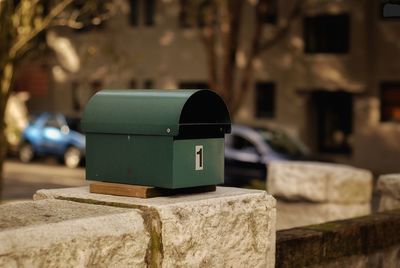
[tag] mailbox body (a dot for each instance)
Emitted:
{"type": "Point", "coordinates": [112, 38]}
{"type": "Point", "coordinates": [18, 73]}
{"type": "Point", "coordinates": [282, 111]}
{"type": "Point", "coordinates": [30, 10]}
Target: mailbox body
{"type": "Point", "coordinates": [182, 151]}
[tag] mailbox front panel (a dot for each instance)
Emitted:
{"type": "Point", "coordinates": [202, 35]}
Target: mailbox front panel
{"type": "Point", "coordinates": [198, 162]}
{"type": "Point", "coordinates": [130, 159]}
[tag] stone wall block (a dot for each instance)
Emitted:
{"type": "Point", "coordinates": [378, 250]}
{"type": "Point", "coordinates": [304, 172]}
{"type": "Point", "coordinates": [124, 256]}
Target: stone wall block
{"type": "Point", "coordinates": [55, 233]}
{"type": "Point", "coordinates": [231, 227]}
{"type": "Point", "coordinates": [319, 182]}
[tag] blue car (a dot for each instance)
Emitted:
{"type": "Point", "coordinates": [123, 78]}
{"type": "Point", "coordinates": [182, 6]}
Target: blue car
{"type": "Point", "coordinates": [53, 135]}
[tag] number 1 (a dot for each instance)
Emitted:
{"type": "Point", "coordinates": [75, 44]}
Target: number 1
{"type": "Point", "coordinates": [199, 157]}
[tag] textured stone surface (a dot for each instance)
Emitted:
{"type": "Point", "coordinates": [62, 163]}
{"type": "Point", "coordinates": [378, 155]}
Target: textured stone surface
{"type": "Point", "coordinates": [387, 202]}
{"type": "Point", "coordinates": [54, 233]}
{"type": "Point", "coordinates": [295, 214]}
{"type": "Point", "coordinates": [370, 241]}
{"type": "Point", "coordinates": [228, 228]}
{"type": "Point", "coordinates": [319, 182]}
{"type": "Point", "coordinates": [389, 185]}
{"type": "Point", "coordinates": [387, 258]}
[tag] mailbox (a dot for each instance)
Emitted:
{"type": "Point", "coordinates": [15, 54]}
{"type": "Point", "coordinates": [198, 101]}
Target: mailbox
{"type": "Point", "coordinates": [161, 138]}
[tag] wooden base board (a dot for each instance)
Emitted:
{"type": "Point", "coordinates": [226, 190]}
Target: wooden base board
{"type": "Point", "coordinates": [143, 191]}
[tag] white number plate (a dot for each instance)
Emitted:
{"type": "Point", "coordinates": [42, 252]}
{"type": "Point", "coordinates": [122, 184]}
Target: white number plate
{"type": "Point", "coordinates": [199, 157]}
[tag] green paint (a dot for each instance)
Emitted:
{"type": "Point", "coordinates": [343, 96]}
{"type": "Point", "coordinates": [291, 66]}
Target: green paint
{"type": "Point", "coordinates": [145, 112]}
{"type": "Point", "coordinates": [150, 137]}
{"type": "Point", "coordinates": [185, 173]}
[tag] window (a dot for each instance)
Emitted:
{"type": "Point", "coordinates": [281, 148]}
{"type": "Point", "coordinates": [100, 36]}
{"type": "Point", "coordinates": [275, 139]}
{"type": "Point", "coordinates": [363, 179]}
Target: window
{"type": "Point", "coordinates": [133, 15]}
{"type": "Point", "coordinates": [327, 34]}
{"type": "Point", "coordinates": [132, 84]}
{"type": "Point", "coordinates": [270, 15]}
{"type": "Point", "coordinates": [390, 101]}
{"type": "Point", "coordinates": [242, 144]}
{"type": "Point", "coordinates": [52, 122]}
{"type": "Point", "coordinates": [200, 14]}
{"type": "Point", "coordinates": [333, 114]}
{"type": "Point", "coordinates": [206, 14]}
{"type": "Point", "coordinates": [265, 100]}
{"type": "Point", "coordinates": [193, 85]}
{"type": "Point", "coordinates": [148, 84]}
{"type": "Point", "coordinates": [184, 16]}
{"type": "Point", "coordinates": [149, 11]}
{"type": "Point", "coordinates": [145, 7]}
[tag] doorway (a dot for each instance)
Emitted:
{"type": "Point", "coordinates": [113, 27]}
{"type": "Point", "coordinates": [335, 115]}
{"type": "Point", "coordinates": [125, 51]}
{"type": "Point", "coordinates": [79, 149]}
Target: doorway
{"type": "Point", "coordinates": [333, 121]}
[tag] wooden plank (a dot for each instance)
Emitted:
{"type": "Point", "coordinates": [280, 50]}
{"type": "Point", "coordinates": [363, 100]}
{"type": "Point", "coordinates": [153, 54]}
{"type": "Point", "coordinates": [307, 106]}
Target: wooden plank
{"type": "Point", "coordinates": [143, 191]}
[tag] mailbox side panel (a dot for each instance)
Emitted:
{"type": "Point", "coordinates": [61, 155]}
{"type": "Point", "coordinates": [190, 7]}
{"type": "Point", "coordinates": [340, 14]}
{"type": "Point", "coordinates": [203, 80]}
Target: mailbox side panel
{"type": "Point", "coordinates": [130, 159]}
{"type": "Point", "coordinates": [106, 157]}
{"type": "Point", "coordinates": [198, 162]}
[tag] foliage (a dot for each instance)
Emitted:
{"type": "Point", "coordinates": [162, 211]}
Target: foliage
{"type": "Point", "coordinates": [22, 21]}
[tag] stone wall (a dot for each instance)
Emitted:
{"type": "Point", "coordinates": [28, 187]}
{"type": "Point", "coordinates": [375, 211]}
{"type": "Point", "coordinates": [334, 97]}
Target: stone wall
{"type": "Point", "coordinates": [370, 241]}
{"type": "Point", "coordinates": [74, 228]}
{"type": "Point", "coordinates": [389, 187]}
{"type": "Point", "coordinates": [312, 193]}
{"type": "Point", "coordinates": [56, 233]}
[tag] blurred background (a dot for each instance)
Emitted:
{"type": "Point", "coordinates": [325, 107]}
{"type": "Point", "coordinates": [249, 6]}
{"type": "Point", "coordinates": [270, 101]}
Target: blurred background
{"type": "Point", "coordinates": [304, 80]}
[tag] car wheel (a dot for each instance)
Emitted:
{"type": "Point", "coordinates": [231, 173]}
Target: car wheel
{"type": "Point", "coordinates": [72, 157]}
{"type": "Point", "coordinates": [26, 153]}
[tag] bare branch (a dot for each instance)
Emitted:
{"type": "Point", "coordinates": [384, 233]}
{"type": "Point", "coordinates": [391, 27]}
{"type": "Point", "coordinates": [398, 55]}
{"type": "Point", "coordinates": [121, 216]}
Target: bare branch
{"type": "Point", "coordinates": [283, 30]}
{"type": "Point", "coordinates": [21, 42]}
{"type": "Point", "coordinates": [70, 21]}
{"type": "Point", "coordinates": [231, 47]}
{"type": "Point", "coordinates": [208, 37]}
{"type": "Point", "coordinates": [209, 40]}
{"type": "Point", "coordinates": [89, 9]}
{"type": "Point", "coordinates": [260, 10]}
{"type": "Point", "coordinates": [257, 47]}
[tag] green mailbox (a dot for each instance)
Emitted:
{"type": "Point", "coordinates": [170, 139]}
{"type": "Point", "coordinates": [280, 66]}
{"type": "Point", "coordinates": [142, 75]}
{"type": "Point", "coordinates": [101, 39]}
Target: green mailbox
{"type": "Point", "coordinates": [161, 138]}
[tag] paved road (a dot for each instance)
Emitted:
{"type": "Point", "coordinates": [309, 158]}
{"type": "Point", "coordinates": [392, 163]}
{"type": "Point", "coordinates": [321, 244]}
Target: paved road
{"type": "Point", "coordinates": [21, 181]}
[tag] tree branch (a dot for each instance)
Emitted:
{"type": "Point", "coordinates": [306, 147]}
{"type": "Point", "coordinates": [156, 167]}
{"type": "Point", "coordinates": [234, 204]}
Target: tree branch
{"type": "Point", "coordinates": [209, 41]}
{"type": "Point", "coordinates": [208, 37]}
{"type": "Point", "coordinates": [260, 9]}
{"type": "Point", "coordinates": [297, 11]}
{"type": "Point", "coordinates": [21, 42]}
{"type": "Point", "coordinates": [70, 22]}
{"type": "Point", "coordinates": [257, 47]}
{"type": "Point", "coordinates": [231, 47]}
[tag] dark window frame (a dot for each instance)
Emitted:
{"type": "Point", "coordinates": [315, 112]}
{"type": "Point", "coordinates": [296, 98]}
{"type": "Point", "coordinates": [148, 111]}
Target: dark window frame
{"type": "Point", "coordinates": [149, 8]}
{"type": "Point", "coordinates": [184, 16]}
{"type": "Point", "coordinates": [386, 104]}
{"type": "Point", "coordinates": [330, 116]}
{"type": "Point", "coordinates": [134, 13]}
{"type": "Point", "coordinates": [187, 9]}
{"type": "Point", "coordinates": [327, 33]}
{"type": "Point", "coordinates": [142, 13]}
{"type": "Point", "coordinates": [148, 84]}
{"type": "Point", "coordinates": [260, 111]}
{"type": "Point", "coordinates": [271, 14]}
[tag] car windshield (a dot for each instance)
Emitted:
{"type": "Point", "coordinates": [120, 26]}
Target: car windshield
{"type": "Point", "coordinates": [74, 123]}
{"type": "Point", "coordinates": [282, 143]}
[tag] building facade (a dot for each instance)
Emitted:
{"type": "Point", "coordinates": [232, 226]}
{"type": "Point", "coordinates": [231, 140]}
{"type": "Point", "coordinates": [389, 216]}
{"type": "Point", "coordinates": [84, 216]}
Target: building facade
{"type": "Point", "coordinates": [333, 81]}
